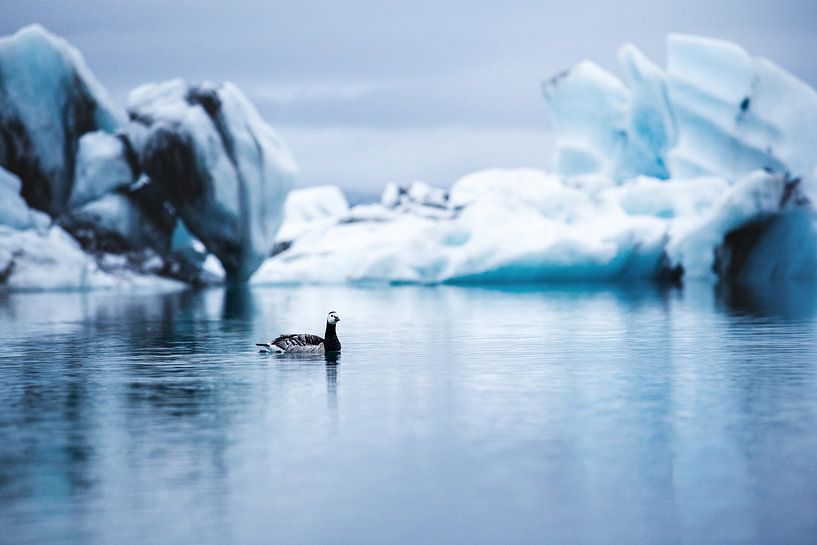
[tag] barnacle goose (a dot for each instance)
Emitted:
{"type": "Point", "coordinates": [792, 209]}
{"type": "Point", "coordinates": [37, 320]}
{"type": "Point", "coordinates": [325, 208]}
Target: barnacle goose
{"type": "Point", "coordinates": [304, 343]}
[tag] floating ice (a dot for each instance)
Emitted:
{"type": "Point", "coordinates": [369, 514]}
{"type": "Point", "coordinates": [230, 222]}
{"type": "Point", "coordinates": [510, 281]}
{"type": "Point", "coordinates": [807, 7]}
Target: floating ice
{"type": "Point", "coordinates": [54, 260]}
{"type": "Point", "coordinates": [527, 225]}
{"type": "Point", "coordinates": [48, 99]}
{"type": "Point", "coordinates": [223, 168]}
{"type": "Point", "coordinates": [643, 187]}
{"type": "Point", "coordinates": [564, 238]}
{"type": "Point", "coordinates": [305, 208]}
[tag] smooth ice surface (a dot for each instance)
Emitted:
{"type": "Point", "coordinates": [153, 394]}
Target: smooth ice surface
{"type": "Point", "coordinates": [454, 415]}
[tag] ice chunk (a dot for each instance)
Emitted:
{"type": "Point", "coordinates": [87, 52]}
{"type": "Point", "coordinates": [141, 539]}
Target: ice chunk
{"type": "Point", "coordinates": [513, 225]}
{"type": "Point", "coordinates": [589, 110]}
{"type": "Point", "coordinates": [737, 113]}
{"type": "Point", "coordinates": [104, 162]}
{"type": "Point", "coordinates": [13, 210]}
{"type": "Point", "coordinates": [716, 111]}
{"type": "Point", "coordinates": [418, 198]}
{"type": "Point", "coordinates": [652, 127]}
{"type": "Point", "coordinates": [54, 260]}
{"type": "Point", "coordinates": [391, 195]}
{"type": "Point", "coordinates": [602, 127]}
{"type": "Point", "coordinates": [736, 238]}
{"type": "Point", "coordinates": [48, 99]}
{"type": "Point", "coordinates": [116, 223]}
{"type": "Point", "coordinates": [223, 168]}
{"type": "Point", "coordinates": [305, 208]}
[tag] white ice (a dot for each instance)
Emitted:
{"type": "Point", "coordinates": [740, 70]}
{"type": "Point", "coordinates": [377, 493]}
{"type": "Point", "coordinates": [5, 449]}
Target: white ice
{"type": "Point", "coordinates": [14, 212]}
{"type": "Point", "coordinates": [52, 259]}
{"type": "Point", "coordinates": [101, 167]}
{"type": "Point", "coordinates": [700, 169]}
{"type": "Point", "coordinates": [306, 208]}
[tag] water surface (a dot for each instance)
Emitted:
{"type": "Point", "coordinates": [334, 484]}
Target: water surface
{"type": "Point", "coordinates": [454, 415]}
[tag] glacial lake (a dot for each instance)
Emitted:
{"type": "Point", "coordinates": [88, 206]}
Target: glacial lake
{"type": "Point", "coordinates": [469, 415]}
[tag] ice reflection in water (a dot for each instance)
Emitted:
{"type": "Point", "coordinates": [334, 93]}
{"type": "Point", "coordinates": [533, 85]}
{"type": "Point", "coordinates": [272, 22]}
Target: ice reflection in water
{"type": "Point", "coordinates": [466, 415]}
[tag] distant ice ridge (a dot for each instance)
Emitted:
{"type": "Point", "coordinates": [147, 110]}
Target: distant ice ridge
{"type": "Point", "coordinates": [703, 170]}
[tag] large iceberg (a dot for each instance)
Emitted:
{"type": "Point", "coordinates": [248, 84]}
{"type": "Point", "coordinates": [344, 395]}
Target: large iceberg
{"type": "Point", "coordinates": [225, 171]}
{"type": "Point", "coordinates": [703, 170]}
{"type": "Point", "coordinates": [194, 173]}
{"type": "Point", "coordinates": [48, 100]}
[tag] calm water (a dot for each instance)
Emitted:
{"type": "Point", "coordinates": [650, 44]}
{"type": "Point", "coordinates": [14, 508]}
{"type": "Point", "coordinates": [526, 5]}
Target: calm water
{"type": "Point", "coordinates": [455, 415]}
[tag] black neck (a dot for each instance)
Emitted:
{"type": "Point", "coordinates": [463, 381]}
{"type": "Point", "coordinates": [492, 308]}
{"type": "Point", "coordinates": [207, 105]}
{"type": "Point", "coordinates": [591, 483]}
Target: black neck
{"type": "Point", "coordinates": [330, 338]}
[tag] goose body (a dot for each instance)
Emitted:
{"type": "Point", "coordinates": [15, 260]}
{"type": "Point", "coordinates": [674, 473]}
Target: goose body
{"type": "Point", "coordinates": [304, 343]}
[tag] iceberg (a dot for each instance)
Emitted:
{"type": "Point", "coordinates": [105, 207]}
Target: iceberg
{"type": "Point", "coordinates": [224, 170]}
{"type": "Point", "coordinates": [702, 170]}
{"type": "Point", "coordinates": [121, 183]}
{"type": "Point", "coordinates": [523, 225]}
{"type": "Point", "coordinates": [48, 100]}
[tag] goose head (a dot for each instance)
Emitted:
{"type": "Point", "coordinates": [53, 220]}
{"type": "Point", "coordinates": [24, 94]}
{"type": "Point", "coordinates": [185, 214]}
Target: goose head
{"type": "Point", "coordinates": [332, 318]}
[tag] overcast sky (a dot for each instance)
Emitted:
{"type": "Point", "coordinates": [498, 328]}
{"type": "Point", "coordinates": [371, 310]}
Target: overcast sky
{"type": "Point", "coordinates": [367, 92]}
